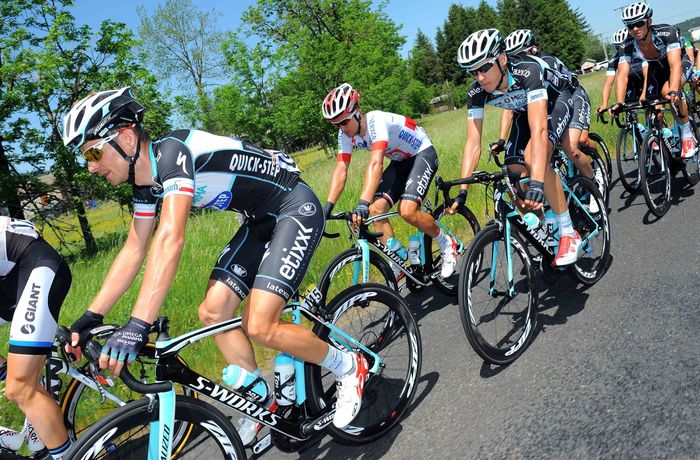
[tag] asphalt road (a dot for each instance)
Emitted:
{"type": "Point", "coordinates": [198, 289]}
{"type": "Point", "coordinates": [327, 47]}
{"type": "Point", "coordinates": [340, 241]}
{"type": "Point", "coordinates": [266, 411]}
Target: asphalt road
{"type": "Point", "coordinates": [612, 373]}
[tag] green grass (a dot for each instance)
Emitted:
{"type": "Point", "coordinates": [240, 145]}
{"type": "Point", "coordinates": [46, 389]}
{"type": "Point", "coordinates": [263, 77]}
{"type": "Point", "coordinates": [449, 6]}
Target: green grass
{"type": "Point", "coordinates": [209, 232]}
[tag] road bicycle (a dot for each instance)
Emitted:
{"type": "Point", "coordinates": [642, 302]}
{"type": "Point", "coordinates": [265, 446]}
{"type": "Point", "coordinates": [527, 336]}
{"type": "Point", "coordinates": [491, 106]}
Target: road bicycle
{"type": "Point", "coordinates": [382, 329]}
{"type": "Point", "coordinates": [497, 285]}
{"type": "Point", "coordinates": [370, 260]}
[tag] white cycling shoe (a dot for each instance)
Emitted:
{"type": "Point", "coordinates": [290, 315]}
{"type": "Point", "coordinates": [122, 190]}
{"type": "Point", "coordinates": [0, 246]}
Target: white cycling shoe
{"type": "Point", "coordinates": [350, 389]}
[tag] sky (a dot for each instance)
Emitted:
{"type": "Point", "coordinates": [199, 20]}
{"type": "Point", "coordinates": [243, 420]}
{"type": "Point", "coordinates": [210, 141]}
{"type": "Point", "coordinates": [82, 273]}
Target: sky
{"type": "Point", "coordinates": [426, 15]}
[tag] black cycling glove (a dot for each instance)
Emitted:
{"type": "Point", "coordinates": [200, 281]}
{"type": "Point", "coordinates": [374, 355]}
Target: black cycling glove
{"type": "Point", "coordinates": [125, 344]}
{"type": "Point", "coordinates": [83, 325]}
{"type": "Point", "coordinates": [3, 371]}
{"type": "Point", "coordinates": [498, 146]}
{"type": "Point", "coordinates": [328, 209]}
{"type": "Point", "coordinates": [535, 191]}
{"type": "Point", "coordinates": [461, 197]}
{"type": "Point", "coordinates": [362, 209]}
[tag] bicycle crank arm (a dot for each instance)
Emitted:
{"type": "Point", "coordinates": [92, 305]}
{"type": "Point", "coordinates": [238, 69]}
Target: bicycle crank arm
{"type": "Point", "coordinates": [262, 445]}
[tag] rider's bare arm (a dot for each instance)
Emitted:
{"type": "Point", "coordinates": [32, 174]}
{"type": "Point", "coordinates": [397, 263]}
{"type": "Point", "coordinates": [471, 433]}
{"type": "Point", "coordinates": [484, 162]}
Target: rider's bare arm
{"type": "Point", "coordinates": [125, 267]}
{"type": "Point", "coordinates": [163, 257]}
{"type": "Point", "coordinates": [338, 179]}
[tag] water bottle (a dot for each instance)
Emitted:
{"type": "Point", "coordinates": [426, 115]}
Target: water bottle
{"type": "Point", "coordinates": [285, 391]}
{"type": "Point", "coordinates": [236, 377]}
{"type": "Point", "coordinates": [396, 246]}
{"type": "Point", "coordinates": [552, 226]}
{"type": "Point", "coordinates": [531, 220]}
{"type": "Point", "coordinates": [642, 129]}
{"type": "Point", "coordinates": [414, 249]}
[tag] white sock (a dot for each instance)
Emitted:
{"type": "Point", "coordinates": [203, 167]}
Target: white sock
{"type": "Point", "coordinates": [566, 227]}
{"type": "Point", "coordinates": [337, 361]}
{"type": "Point", "coordinates": [443, 241]}
{"type": "Point", "coordinates": [685, 130]}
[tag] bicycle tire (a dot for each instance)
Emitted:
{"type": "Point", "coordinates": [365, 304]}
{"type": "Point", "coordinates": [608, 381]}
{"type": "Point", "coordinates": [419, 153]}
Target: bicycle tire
{"type": "Point", "coordinates": [74, 395]}
{"type": "Point", "coordinates": [606, 153]}
{"type": "Point", "coordinates": [382, 275]}
{"type": "Point", "coordinates": [464, 230]}
{"type": "Point", "coordinates": [597, 162]}
{"type": "Point", "coordinates": [103, 434]}
{"type": "Point", "coordinates": [478, 266]}
{"type": "Point", "coordinates": [628, 162]}
{"type": "Point", "coordinates": [588, 270]}
{"type": "Point", "coordinates": [655, 174]}
{"type": "Point", "coordinates": [691, 166]}
{"type": "Point", "coordinates": [403, 339]}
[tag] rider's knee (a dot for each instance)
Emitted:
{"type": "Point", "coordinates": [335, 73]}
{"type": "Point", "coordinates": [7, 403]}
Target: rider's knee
{"type": "Point", "coordinates": [379, 206]}
{"type": "Point", "coordinates": [210, 313]}
{"type": "Point", "coordinates": [261, 332]}
{"type": "Point", "coordinates": [21, 390]}
{"type": "Point", "coordinates": [409, 211]}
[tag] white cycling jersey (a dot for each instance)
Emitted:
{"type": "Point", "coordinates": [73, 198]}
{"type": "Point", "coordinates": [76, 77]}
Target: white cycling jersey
{"type": "Point", "coordinates": [398, 136]}
{"type": "Point", "coordinates": [15, 236]}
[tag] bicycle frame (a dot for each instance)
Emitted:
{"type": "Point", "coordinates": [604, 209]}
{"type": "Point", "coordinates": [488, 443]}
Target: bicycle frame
{"type": "Point", "coordinates": [169, 368]}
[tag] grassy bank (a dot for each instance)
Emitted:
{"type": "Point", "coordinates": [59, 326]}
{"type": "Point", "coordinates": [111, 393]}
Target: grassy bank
{"type": "Point", "coordinates": [208, 233]}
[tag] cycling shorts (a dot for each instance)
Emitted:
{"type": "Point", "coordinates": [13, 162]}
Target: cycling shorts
{"type": "Point", "coordinates": [634, 89]}
{"type": "Point", "coordinates": [273, 252]}
{"type": "Point", "coordinates": [31, 296]}
{"type": "Point", "coordinates": [557, 122]}
{"type": "Point", "coordinates": [581, 118]}
{"type": "Point", "coordinates": [409, 179]}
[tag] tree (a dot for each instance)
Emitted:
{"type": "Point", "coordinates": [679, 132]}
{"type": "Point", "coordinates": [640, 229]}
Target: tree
{"type": "Point", "coordinates": [184, 43]}
{"type": "Point", "coordinates": [454, 31]}
{"type": "Point", "coordinates": [423, 61]}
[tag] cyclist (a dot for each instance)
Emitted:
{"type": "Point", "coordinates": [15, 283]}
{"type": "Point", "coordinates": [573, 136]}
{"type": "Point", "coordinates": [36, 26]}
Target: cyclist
{"type": "Point", "coordinates": [414, 163]}
{"type": "Point", "coordinates": [265, 260]}
{"type": "Point", "coordinates": [637, 77]}
{"type": "Point", "coordinates": [660, 46]}
{"type": "Point", "coordinates": [523, 41]}
{"type": "Point", "coordinates": [540, 98]}
{"type": "Point", "coordinates": [34, 281]}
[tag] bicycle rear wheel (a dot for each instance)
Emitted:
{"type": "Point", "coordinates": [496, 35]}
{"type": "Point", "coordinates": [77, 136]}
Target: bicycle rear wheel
{"type": "Point", "coordinates": [499, 322]}
{"type": "Point", "coordinates": [594, 229]}
{"type": "Point", "coordinates": [379, 319]}
{"type": "Point", "coordinates": [655, 174]}
{"type": "Point", "coordinates": [462, 226]}
{"type": "Point", "coordinates": [124, 433]}
{"type": "Point", "coordinates": [628, 159]}
{"type": "Point", "coordinates": [605, 155]}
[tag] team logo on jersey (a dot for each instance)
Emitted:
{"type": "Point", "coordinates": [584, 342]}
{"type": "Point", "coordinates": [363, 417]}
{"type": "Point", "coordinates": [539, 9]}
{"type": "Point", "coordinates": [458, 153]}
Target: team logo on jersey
{"type": "Point", "coordinates": [295, 255]}
{"type": "Point", "coordinates": [181, 161]}
{"type": "Point", "coordinates": [27, 329]}
{"type": "Point", "coordinates": [30, 314]}
{"type": "Point", "coordinates": [221, 202]}
{"type": "Point", "coordinates": [522, 72]}
{"type": "Point", "coordinates": [239, 271]}
{"type": "Point", "coordinates": [307, 209]}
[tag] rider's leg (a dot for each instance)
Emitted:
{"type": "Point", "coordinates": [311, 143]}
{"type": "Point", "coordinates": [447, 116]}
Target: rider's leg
{"type": "Point", "coordinates": [688, 141]}
{"type": "Point", "coordinates": [24, 389]}
{"type": "Point", "coordinates": [411, 213]}
{"type": "Point", "coordinates": [570, 144]}
{"type": "Point", "coordinates": [379, 206]}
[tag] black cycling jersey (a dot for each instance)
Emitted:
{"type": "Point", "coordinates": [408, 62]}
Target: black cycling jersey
{"type": "Point", "coordinates": [663, 36]}
{"type": "Point", "coordinates": [273, 248]}
{"type": "Point", "coordinates": [636, 65]}
{"type": "Point", "coordinates": [560, 67]}
{"type": "Point", "coordinates": [529, 79]}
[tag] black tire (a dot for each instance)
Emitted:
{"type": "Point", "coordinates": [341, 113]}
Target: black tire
{"type": "Point", "coordinates": [655, 174]}
{"type": "Point", "coordinates": [363, 312]}
{"type": "Point", "coordinates": [603, 147]}
{"type": "Point", "coordinates": [628, 150]}
{"type": "Point", "coordinates": [691, 166]}
{"type": "Point", "coordinates": [81, 407]}
{"type": "Point", "coordinates": [594, 259]}
{"type": "Point", "coordinates": [602, 182]}
{"type": "Point", "coordinates": [103, 439]}
{"type": "Point", "coordinates": [335, 279]}
{"type": "Point", "coordinates": [464, 226]}
{"type": "Point", "coordinates": [484, 315]}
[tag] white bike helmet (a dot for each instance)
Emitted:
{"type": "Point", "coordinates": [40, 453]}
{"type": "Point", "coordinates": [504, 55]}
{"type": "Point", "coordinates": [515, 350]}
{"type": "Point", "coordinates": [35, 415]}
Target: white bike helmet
{"type": "Point", "coordinates": [519, 41]}
{"type": "Point", "coordinates": [479, 47]}
{"type": "Point", "coordinates": [636, 12]}
{"type": "Point", "coordinates": [340, 104]}
{"type": "Point", "coordinates": [94, 116]}
{"type": "Point", "coordinates": [620, 36]}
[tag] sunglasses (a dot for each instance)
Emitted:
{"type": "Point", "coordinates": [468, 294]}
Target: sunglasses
{"type": "Point", "coordinates": [344, 122]}
{"type": "Point", "coordinates": [483, 69]}
{"type": "Point", "coordinates": [637, 25]}
{"type": "Point", "coordinates": [93, 154]}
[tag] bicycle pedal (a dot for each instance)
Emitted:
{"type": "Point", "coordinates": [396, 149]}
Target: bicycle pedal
{"type": "Point", "coordinates": [262, 445]}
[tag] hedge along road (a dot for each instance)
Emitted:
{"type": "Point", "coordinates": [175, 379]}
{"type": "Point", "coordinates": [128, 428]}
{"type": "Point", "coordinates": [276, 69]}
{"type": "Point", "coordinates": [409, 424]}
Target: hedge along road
{"type": "Point", "coordinates": [612, 373]}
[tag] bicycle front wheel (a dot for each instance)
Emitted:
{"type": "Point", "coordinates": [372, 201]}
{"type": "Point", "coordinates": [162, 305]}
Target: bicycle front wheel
{"type": "Point", "coordinates": [378, 318]}
{"type": "Point", "coordinates": [124, 434]}
{"type": "Point", "coordinates": [655, 174]}
{"type": "Point", "coordinates": [628, 159]}
{"type": "Point", "coordinates": [462, 226]}
{"type": "Point", "coordinates": [497, 299]}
